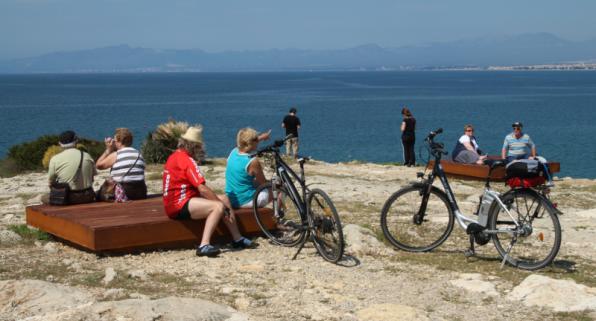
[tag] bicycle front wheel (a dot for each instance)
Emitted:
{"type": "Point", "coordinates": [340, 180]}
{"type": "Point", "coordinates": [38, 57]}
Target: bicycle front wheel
{"type": "Point", "coordinates": [286, 226]}
{"type": "Point", "coordinates": [414, 223]}
{"type": "Point", "coordinates": [530, 235]}
{"type": "Point", "coordinates": [327, 234]}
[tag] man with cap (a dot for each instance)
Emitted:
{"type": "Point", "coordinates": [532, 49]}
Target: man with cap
{"type": "Point", "coordinates": [291, 123]}
{"type": "Point", "coordinates": [518, 145]}
{"type": "Point", "coordinates": [74, 167]}
{"type": "Point", "coordinates": [186, 196]}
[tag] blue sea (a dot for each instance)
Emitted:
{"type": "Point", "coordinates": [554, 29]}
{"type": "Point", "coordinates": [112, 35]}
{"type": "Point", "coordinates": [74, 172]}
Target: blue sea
{"type": "Point", "coordinates": [345, 115]}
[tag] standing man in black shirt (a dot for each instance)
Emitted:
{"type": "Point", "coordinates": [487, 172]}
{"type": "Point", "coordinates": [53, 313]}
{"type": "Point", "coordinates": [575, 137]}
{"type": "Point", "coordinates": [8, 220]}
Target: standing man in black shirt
{"type": "Point", "coordinates": [291, 123]}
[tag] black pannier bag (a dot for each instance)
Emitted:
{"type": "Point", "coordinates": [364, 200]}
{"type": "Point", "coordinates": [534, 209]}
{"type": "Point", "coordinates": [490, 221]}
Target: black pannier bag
{"type": "Point", "coordinates": [524, 168]}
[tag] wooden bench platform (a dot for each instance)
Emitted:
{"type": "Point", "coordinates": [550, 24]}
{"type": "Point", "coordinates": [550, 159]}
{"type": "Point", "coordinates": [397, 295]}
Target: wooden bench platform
{"type": "Point", "coordinates": [130, 226]}
{"type": "Point", "coordinates": [479, 172]}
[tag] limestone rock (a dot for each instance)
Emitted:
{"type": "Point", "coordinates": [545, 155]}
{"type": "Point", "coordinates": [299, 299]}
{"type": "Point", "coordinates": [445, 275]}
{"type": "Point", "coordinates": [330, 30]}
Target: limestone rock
{"type": "Point", "coordinates": [36, 200]}
{"type": "Point", "coordinates": [138, 274]}
{"type": "Point", "coordinates": [50, 247]}
{"type": "Point", "coordinates": [38, 300]}
{"type": "Point", "coordinates": [113, 294]}
{"type": "Point", "coordinates": [559, 295]}
{"type": "Point", "coordinates": [8, 237]}
{"type": "Point", "coordinates": [109, 276]}
{"type": "Point", "coordinates": [391, 312]}
{"type": "Point", "coordinates": [475, 282]}
{"type": "Point", "coordinates": [360, 240]}
{"type": "Point", "coordinates": [32, 297]}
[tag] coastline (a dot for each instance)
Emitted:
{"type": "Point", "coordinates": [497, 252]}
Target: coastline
{"type": "Point", "coordinates": [264, 284]}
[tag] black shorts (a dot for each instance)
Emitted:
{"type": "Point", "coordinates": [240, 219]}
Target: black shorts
{"type": "Point", "coordinates": [184, 213]}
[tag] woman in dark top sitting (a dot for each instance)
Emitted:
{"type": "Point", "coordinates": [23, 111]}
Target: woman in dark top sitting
{"type": "Point", "coordinates": [408, 138]}
{"type": "Point", "coordinates": [466, 150]}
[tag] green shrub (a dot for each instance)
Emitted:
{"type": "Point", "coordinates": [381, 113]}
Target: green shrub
{"type": "Point", "coordinates": [29, 234]}
{"type": "Point", "coordinates": [160, 143]}
{"type": "Point", "coordinates": [8, 168]}
{"type": "Point", "coordinates": [28, 156]}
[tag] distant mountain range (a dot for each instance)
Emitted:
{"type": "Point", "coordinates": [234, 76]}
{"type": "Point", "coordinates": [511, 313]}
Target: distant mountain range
{"type": "Point", "coordinates": [526, 49]}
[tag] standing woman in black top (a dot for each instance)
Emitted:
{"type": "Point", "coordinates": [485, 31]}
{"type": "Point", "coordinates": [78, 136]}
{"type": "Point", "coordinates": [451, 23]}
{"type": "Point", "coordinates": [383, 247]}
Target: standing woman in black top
{"type": "Point", "coordinates": [408, 138]}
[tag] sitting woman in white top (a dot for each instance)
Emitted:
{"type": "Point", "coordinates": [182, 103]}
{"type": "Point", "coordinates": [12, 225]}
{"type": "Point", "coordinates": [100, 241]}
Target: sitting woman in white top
{"type": "Point", "coordinates": [466, 150]}
{"type": "Point", "coordinates": [245, 173]}
{"type": "Point", "coordinates": [127, 166]}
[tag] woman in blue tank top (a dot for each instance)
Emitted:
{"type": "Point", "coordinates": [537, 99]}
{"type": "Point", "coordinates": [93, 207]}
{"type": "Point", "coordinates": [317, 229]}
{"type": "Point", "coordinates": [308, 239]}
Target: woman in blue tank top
{"type": "Point", "coordinates": [245, 173]}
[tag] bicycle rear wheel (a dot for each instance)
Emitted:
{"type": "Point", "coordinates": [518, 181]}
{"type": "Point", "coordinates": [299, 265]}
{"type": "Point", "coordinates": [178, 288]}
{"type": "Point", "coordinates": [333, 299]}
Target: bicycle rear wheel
{"type": "Point", "coordinates": [327, 235]}
{"type": "Point", "coordinates": [405, 227]}
{"type": "Point", "coordinates": [536, 242]}
{"type": "Point", "coordinates": [286, 227]}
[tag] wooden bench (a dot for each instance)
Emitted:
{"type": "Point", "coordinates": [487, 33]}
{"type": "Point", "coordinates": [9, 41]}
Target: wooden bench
{"type": "Point", "coordinates": [130, 226]}
{"type": "Point", "coordinates": [479, 172]}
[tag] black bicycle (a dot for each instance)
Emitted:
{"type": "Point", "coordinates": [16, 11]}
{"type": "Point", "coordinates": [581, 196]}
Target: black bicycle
{"type": "Point", "coordinates": [522, 223]}
{"type": "Point", "coordinates": [297, 216]}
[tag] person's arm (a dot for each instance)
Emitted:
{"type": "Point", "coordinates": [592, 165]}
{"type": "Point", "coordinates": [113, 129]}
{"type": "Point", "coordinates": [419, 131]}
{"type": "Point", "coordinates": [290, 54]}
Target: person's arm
{"type": "Point", "coordinates": [255, 169]}
{"type": "Point", "coordinates": [504, 149]}
{"type": "Point", "coordinates": [265, 136]}
{"type": "Point", "coordinates": [108, 158]}
{"type": "Point", "coordinates": [207, 193]}
{"type": "Point", "coordinates": [469, 147]}
{"type": "Point", "coordinates": [403, 126]}
{"type": "Point", "coordinates": [51, 173]}
{"type": "Point", "coordinates": [532, 148]}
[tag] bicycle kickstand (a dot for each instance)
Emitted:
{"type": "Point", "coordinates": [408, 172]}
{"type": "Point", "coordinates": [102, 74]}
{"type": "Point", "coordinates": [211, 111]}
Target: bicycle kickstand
{"type": "Point", "coordinates": [513, 240]}
{"type": "Point", "coordinates": [470, 252]}
{"type": "Point", "coordinates": [306, 237]}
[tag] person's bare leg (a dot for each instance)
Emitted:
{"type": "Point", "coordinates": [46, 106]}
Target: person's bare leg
{"type": "Point", "coordinates": [230, 221]}
{"type": "Point", "coordinates": [200, 208]}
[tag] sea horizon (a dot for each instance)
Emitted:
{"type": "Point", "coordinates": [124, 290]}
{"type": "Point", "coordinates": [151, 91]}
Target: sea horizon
{"type": "Point", "coordinates": [347, 115]}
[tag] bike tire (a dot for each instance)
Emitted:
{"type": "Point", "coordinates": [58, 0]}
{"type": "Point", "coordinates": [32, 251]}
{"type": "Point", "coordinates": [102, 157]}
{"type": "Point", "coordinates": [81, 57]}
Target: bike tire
{"type": "Point", "coordinates": [397, 219]}
{"type": "Point", "coordinates": [327, 231]}
{"type": "Point", "coordinates": [541, 241]}
{"type": "Point", "coordinates": [286, 228]}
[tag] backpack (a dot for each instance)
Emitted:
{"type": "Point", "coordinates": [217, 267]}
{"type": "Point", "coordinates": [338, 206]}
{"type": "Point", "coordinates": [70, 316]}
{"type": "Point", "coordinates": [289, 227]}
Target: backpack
{"type": "Point", "coordinates": [524, 168]}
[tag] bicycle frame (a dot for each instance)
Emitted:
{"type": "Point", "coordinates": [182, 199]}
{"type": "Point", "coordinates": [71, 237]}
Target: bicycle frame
{"type": "Point", "coordinates": [461, 218]}
{"type": "Point", "coordinates": [285, 173]}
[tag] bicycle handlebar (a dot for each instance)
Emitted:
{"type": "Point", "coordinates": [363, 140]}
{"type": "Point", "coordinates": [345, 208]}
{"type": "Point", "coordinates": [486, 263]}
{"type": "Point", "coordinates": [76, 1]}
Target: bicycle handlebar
{"type": "Point", "coordinates": [434, 133]}
{"type": "Point", "coordinates": [437, 148]}
{"type": "Point", "coordinates": [273, 147]}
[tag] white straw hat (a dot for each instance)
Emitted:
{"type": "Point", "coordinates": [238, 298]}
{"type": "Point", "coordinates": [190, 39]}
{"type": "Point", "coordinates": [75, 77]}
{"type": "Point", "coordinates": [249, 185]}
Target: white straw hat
{"type": "Point", "coordinates": [194, 134]}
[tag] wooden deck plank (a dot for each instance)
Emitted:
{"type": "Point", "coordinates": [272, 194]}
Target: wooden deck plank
{"type": "Point", "coordinates": [143, 224]}
{"type": "Point", "coordinates": [479, 172]}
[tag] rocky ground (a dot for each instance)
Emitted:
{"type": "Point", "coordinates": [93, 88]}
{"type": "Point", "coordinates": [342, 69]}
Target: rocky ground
{"type": "Point", "coordinates": [42, 279]}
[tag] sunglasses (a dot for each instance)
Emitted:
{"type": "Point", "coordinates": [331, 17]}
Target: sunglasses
{"type": "Point", "coordinates": [516, 127]}
{"type": "Point", "coordinates": [469, 130]}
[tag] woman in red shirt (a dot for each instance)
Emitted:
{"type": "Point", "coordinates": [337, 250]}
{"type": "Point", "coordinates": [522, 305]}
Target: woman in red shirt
{"type": "Point", "coordinates": [185, 195]}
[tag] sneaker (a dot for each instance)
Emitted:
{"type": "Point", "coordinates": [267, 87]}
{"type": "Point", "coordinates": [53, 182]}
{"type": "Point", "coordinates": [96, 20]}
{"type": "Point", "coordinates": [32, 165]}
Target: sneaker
{"type": "Point", "coordinates": [244, 243]}
{"type": "Point", "coordinates": [208, 250]}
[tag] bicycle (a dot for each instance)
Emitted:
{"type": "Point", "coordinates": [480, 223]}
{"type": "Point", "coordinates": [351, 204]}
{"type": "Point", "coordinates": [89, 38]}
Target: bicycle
{"type": "Point", "coordinates": [420, 217]}
{"type": "Point", "coordinates": [298, 217]}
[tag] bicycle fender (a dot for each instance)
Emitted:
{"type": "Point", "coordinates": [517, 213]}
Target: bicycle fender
{"type": "Point", "coordinates": [545, 201]}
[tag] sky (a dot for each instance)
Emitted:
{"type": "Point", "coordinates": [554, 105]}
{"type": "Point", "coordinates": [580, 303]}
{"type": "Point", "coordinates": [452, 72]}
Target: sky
{"type": "Point", "coordinates": [34, 27]}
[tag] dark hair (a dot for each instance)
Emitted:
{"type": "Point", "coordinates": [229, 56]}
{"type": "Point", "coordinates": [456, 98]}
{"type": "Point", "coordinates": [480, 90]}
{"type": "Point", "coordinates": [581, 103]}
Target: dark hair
{"type": "Point", "coordinates": [406, 112]}
{"type": "Point", "coordinates": [292, 110]}
{"type": "Point", "coordinates": [67, 137]}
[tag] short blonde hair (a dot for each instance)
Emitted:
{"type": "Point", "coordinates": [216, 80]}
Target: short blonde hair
{"type": "Point", "coordinates": [123, 136]}
{"type": "Point", "coordinates": [246, 137]}
{"type": "Point", "coordinates": [468, 126]}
